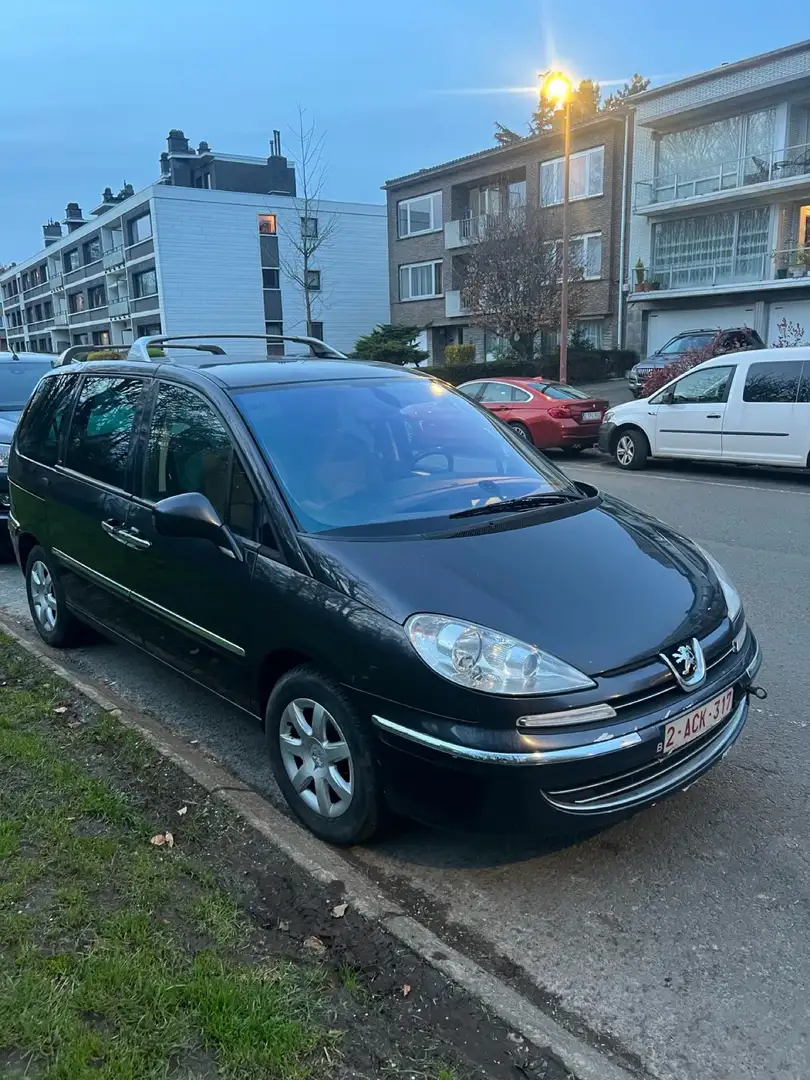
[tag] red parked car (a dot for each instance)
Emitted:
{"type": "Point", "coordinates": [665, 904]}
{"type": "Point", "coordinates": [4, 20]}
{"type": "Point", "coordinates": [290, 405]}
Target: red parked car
{"type": "Point", "coordinates": [545, 413]}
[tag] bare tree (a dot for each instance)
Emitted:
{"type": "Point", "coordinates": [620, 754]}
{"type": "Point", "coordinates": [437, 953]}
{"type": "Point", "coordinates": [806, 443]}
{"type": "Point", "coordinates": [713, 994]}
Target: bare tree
{"type": "Point", "coordinates": [312, 229]}
{"type": "Point", "coordinates": [512, 276]}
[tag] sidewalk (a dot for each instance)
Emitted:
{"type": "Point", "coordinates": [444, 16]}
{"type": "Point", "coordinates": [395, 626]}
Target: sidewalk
{"type": "Point", "coordinates": [146, 930]}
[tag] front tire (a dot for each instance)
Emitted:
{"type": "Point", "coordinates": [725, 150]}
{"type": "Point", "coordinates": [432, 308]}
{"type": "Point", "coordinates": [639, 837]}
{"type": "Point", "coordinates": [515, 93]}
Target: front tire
{"type": "Point", "coordinates": [521, 431]}
{"type": "Point", "coordinates": [322, 759]}
{"type": "Point", "coordinates": [631, 449]}
{"type": "Point", "coordinates": [56, 625]}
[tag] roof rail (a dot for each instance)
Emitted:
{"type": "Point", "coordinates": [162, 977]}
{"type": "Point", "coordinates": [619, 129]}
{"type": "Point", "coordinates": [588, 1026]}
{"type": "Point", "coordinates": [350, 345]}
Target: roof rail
{"type": "Point", "coordinates": [139, 350]}
{"type": "Point", "coordinates": [76, 352]}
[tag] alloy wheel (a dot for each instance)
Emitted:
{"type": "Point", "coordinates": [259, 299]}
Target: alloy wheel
{"type": "Point", "coordinates": [521, 433]}
{"type": "Point", "coordinates": [43, 597]}
{"type": "Point", "coordinates": [316, 757]}
{"type": "Point", "coordinates": [625, 450]}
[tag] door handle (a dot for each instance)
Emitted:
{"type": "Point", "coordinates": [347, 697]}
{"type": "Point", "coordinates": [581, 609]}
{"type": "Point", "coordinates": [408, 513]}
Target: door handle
{"type": "Point", "coordinates": [128, 537]}
{"type": "Point", "coordinates": [713, 415]}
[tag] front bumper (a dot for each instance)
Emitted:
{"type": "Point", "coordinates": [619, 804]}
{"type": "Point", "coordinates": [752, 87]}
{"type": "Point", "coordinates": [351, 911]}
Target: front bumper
{"type": "Point", "coordinates": [605, 436]}
{"type": "Point", "coordinates": [452, 774]}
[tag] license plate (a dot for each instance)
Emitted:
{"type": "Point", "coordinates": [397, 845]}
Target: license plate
{"type": "Point", "coordinates": [591, 416]}
{"type": "Point", "coordinates": [692, 725]}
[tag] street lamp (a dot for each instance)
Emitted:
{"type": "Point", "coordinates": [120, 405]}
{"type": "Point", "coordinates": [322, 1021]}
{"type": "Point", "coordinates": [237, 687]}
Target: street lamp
{"type": "Point", "coordinates": [556, 88]}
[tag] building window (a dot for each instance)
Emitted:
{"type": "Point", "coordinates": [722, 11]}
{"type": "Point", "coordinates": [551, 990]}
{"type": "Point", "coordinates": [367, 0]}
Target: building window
{"type": "Point", "coordinates": [267, 224]}
{"type": "Point", "coordinates": [586, 179]}
{"type": "Point", "coordinates": [140, 228]}
{"type": "Point", "coordinates": [274, 348]}
{"type": "Point", "coordinates": [590, 331]}
{"type": "Point", "coordinates": [101, 337]}
{"type": "Point", "coordinates": [273, 328]}
{"type": "Point", "coordinates": [38, 312]}
{"type": "Point", "coordinates": [586, 253]}
{"type": "Point", "coordinates": [309, 228]}
{"type": "Point", "coordinates": [144, 283]}
{"type": "Point", "coordinates": [316, 330]}
{"type": "Point", "coordinates": [418, 281]}
{"type": "Point", "coordinates": [149, 329]}
{"type": "Point", "coordinates": [270, 279]}
{"type": "Point", "coordinates": [81, 339]}
{"type": "Point", "coordinates": [25, 284]}
{"type": "Point", "coordinates": [47, 309]}
{"type": "Point", "coordinates": [313, 280]}
{"type": "Point", "coordinates": [76, 302]}
{"type": "Point", "coordinates": [96, 296]}
{"type": "Point", "coordinates": [71, 260]}
{"type": "Point", "coordinates": [43, 273]}
{"type": "Point", "coordinates": [91, 250]}
{"type": "Point", "coordinates": [419, 215]}
{"type": "Point", "coordinates": [712, 249]}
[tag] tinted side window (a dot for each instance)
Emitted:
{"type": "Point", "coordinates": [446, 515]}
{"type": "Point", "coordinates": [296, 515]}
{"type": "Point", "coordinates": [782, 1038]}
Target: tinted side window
{"type": "Point", "coordinates": [471, 390]}
{"type": "Point", "coordinates": [773, 382]}
{"type": "Point", "coordinates": [101, 429]}
{"type": "Point", "coordinates": [190, 450]}
{"type": "Point", "coordinates": [708, 385]}
{"type": "Point", "coordinates": [38, 435]}
{"type": "Point", "coordinates": [804, 384]}
{"type": "Point", "coordinates": [495, 391]}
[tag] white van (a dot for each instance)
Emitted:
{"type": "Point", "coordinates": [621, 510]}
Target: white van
{"type": "Point", "coordinates": [751, 407]}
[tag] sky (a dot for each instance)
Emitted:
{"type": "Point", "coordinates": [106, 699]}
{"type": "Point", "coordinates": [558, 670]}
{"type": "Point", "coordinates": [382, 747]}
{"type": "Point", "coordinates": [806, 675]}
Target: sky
{"type": "Point", "coordinates": [91, 88]}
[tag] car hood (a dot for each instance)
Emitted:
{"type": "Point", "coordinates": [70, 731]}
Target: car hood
{"type": "Point", "coordinates": [8, 422]}
{"type": "Point", "coordinates": [602, 589]}
{"type": "Point", "coordinates": [655, 361]}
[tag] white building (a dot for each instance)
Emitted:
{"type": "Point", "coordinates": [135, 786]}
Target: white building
{"type": "Point", "coordinates": [721, 201]}
{"type": "Point", "coordinates": [191, 255]}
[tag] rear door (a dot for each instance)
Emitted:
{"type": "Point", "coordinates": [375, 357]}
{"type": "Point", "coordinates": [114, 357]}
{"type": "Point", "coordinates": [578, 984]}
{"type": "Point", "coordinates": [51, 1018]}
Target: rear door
{"type": "Point", "coordinates": [196, 607]}
{"type": "Point", "coordinates": [689, 421]}
{"type": "Point", "coordinates": [498, 398]}
{"type": "Point", "coordinates": [89, 495]}
{"type": "Point", "coordinates": [763, 417]}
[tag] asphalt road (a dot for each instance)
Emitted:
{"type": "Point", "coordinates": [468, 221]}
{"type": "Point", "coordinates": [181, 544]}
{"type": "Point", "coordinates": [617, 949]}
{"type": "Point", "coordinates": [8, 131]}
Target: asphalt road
{"type": "Point", "coordinates": [682, 934]}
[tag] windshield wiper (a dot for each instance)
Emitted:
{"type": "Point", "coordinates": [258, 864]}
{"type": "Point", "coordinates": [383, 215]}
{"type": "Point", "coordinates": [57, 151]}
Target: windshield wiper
{"type": "Point", "coordinates": [525, 502]}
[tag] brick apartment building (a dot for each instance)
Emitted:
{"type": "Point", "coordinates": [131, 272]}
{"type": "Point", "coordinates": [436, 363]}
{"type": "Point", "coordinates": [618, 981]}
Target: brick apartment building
{"type": "Point", "coordinates": [433, 214]}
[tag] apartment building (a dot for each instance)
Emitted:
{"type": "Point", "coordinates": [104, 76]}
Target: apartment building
{"type": "Point", "coordinates": [203, 249]}
{"type": "Point", "coordinates": [721, 201]}
{"type": "Point", "coordinates": [434, 214]}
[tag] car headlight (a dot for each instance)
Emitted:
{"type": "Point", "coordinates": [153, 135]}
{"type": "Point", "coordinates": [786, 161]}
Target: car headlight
{"type": "Point", "coordinates": [483, 659]}
{"type": "Point", "coordinates": [5, 450]}
{"type": "Point", "coordinates": [608, 417]}
{"type": "Point", "coordinates": [733, 601]}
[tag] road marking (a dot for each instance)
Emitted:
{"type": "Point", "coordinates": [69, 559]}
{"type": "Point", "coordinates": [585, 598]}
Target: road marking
{"type": "Point", "coordinates": [688, 480]}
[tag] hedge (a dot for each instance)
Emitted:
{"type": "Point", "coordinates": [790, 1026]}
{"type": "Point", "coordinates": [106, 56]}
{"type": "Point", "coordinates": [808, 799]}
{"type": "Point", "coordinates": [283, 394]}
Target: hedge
{"type": "Point", "coordinates": [583, 367]}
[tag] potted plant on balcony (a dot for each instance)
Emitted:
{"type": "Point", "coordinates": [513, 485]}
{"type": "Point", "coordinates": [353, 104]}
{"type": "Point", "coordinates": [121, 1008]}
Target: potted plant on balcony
{"type": "Point", "coordinates": [799, 259]}
{"type": "Point", "coordinates": [639, 268]}
{"type": "Point", "coordinates": [654, 285]}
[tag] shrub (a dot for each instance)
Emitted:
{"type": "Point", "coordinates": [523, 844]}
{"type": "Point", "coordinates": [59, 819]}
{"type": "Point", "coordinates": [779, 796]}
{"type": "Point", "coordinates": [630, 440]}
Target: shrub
{"type": "Point", "coordinates": [459, 355]}
{"type": "Point", "coordinates": [390, 343]}
{"type": "Point", "coordinates": [791, 334]}
{"type": "Point", "coordinates": [591, 366]}
{"type": "Point", "coordinates": [105, 354]}
{"type": "Point", "coordinates": [659, 377]}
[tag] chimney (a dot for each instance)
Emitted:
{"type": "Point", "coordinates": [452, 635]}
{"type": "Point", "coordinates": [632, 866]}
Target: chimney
{"type": "Point", "coordinates": [177, 143]}
{"type": "Point", "coordinates": [51, 232]}
{"type": "Point", "coordinates": [73, 217]}
{"type": "Point", "coordinates": [275, 144]}
{"type": "Point", "coordinates": [203, 148]}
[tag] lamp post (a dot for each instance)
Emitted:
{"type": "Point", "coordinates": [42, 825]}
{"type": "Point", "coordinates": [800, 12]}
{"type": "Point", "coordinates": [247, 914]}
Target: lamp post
{"type": "Point", "coordinates": [556, 87]}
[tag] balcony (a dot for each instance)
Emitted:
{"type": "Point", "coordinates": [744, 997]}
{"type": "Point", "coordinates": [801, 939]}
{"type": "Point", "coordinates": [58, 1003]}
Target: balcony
{"type": "Point", "coordinates": [118, 309]}
{"type": "Point", "coordinates": [57, 282]}
{"type": "Point", "coordinates": [113, 259]}
{"type": "Point", "coordinates": [784, 268]}
{"type": "Point", "coordinates": [468, 230]}
{"type": "Point", "coordinates": [777, 171]}
{"type": "Point", "coordinates": [453, 307]}
{"type": "Point", "coordinates": [60, 318]}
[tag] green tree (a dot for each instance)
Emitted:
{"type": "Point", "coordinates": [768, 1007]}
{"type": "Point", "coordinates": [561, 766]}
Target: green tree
{"type": "Point", "coordinates": [390, 344]}
{"type": "Point", "coordinates": [637, 85]}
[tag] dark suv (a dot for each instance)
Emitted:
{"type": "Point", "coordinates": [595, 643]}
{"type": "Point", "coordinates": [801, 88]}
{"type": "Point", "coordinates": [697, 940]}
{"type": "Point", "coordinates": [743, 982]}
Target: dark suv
{"type": "Point", "coordinates": [354, 553]}
{"type": "Point", "coordinates": [734, 339]}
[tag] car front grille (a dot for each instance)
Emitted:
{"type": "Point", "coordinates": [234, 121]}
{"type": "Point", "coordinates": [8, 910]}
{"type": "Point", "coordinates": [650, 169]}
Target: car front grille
{"type": "Point", "coordinates": [656, 778]}
{"type": "Point", "coordinates": [667, 685]}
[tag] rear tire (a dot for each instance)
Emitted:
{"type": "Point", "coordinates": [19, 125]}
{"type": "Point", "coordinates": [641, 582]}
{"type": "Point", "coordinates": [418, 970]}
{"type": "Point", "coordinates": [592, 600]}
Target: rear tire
{"type": "Point", "coordinates": [521, 431]}
{"type": "Point", "coordinates": [321, 756]}
{"type": "Point", "coordinates": [631, 449]}
{"type": "Point", "coordinates": [57, 626]}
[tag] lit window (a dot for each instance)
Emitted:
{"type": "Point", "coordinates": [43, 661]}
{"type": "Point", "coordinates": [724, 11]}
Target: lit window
{"type": "Point", "coordinates": [590, 330]}
{"type": "Point", "coordinates": [420, 215]}
{"type": "Point", "coordinates": [418, 281]}
{"type": "Point", "coordinates": [267, 224]}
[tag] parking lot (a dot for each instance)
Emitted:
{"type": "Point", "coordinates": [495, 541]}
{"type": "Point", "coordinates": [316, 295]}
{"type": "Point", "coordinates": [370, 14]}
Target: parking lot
{"type": "Point", "coordinates": [680, 935]}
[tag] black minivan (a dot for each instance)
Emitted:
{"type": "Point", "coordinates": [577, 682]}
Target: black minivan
{"type": "Point", "coordinates": [428, 616]}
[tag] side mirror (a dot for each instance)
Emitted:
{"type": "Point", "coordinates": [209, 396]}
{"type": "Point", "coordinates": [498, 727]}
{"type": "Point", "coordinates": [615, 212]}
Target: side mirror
{"type": "Point", "coordinates": [192, 517]}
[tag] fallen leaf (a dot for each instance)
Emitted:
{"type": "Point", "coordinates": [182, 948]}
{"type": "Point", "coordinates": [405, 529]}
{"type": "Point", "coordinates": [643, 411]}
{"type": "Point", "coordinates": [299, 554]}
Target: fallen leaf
{"type": "Point", "coordinates": [163, 839]}
{"type": "Point", "coordinates": [60, 709]}
{"type": "Point", "coordinates": [315, 945]}
{"type": "Point", "coordinates": [75, 723]}
{"type": "Point", "coordinates": [406, 990]}
{"type": "Point", "coordinates": [183, 810]}
{"type": "Point", "coordinates": [339, 910]}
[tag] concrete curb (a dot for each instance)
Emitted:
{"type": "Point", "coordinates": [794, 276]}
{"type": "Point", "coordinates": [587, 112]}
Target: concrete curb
{"type": "Point", "coordinates": [327, 865]}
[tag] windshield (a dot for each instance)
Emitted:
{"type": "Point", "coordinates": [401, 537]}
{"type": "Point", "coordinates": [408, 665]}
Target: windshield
{"type": "Point", "coordinates": [389, 451]}
{"type": "Point", "coordinates": [684, 344]}
{"type": "Point", "coordinates": [559, 393]}
{"type": "Point", "coordinates": [17, 381]}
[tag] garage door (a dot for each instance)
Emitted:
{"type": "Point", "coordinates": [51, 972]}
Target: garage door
{"type": "Point", "coordinates": [663, 325]}
{"type": "Point", "coordinates": [795, 311]}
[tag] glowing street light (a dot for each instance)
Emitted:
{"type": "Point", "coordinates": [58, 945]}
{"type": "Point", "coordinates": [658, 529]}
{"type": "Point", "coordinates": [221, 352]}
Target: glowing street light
{"type": "Point", "coordinates": [557, 88]}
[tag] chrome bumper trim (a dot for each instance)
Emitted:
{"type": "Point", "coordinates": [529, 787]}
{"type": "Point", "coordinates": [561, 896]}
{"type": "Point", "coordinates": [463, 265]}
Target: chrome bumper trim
{"type": "Point", "coordinates": [494, 757]}
{"type": "Point", "coordinates": [755, 664]}
{"type": "Point", "coordinates": [671, 778]}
